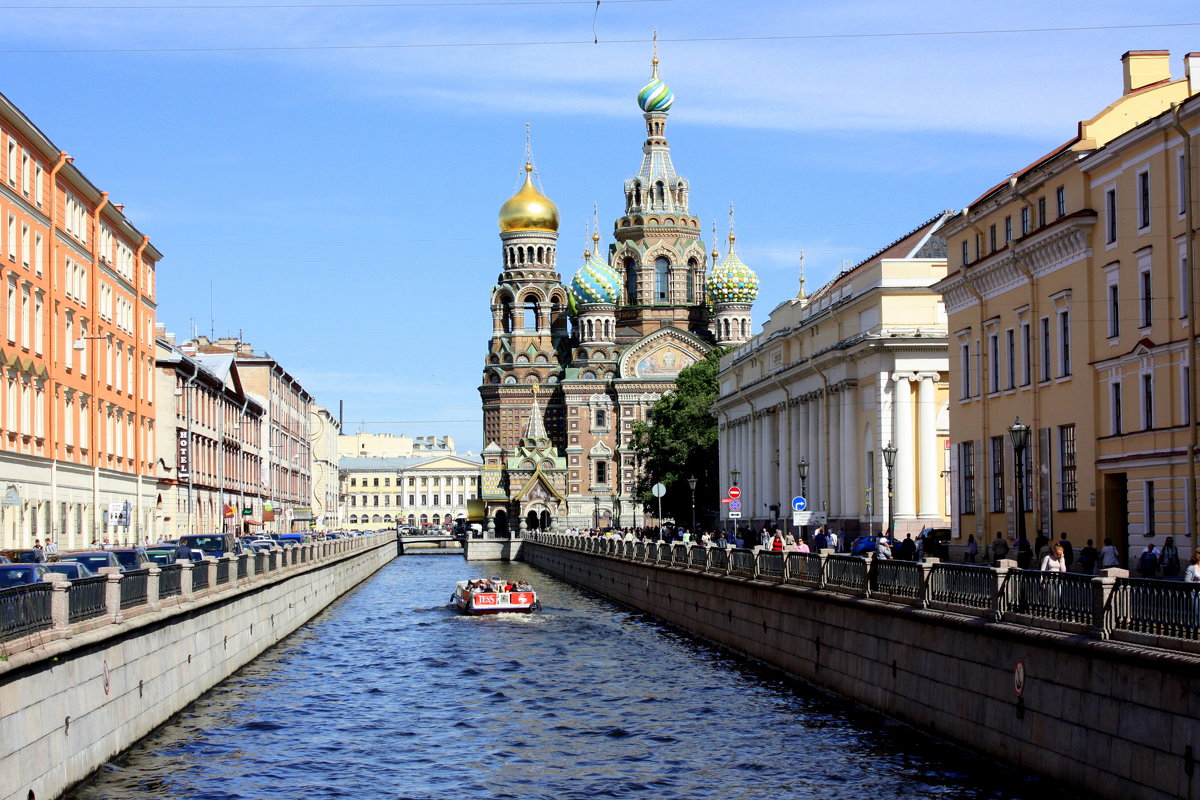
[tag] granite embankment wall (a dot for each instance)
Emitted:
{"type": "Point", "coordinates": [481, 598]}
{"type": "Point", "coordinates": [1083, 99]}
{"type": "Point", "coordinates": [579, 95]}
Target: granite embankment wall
{"type": "Point", "coordinates": [1112, 719]}
{"type": "Point", "coordinates": [87, 692]}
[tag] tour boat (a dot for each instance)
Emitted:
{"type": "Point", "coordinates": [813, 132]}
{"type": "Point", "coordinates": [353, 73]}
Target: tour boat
{"type": "Point", "coordinates": [476, 602]}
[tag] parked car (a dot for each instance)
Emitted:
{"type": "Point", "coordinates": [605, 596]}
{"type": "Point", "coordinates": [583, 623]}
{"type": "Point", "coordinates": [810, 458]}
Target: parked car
{"type": "Point", "coordinates": [131, 558]}
{"type": "Point", "coordinates": [95, 560]}
{"type": "Point", "coordinates": [74, 570]}
{"type": "Point", "coordinates": [863, 545]}
{"type": "Point", "coordinates": [211, 544]}
{"type": "Point", "coordinates": [934, 542]}
{"type": "Point", "coordinates": [5, 560]}
{"type": "Point", "coordinates": [258, 545]}
{"type": "Point", "coordinates": [23, 555]}
{"type": "Point", "coordinates": [166, 554]}
{"type": "Point", "coordinates": [21, 574]}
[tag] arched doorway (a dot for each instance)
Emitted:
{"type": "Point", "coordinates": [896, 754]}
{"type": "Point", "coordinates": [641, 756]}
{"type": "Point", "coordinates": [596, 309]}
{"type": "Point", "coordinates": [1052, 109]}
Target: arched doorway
{"type": "Point", "coordinates": [545, 520]}
{"type": "Point", "coordinates": [501, 520]}
{"type": "Point", "coordinates": [533, 521]}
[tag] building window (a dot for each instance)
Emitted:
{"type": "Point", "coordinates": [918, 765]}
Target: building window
{"type": "Point", "coordinates": [601, 472]}
{"type": "Point", "coordinates": [966, 457]}
{"type": "Point", "coordinates": [662, 278]}
{"type": "Point", "coordinates": [1067, 487]}
{"type": "Point", "coordinates": [1114, 311]}
{"type": "Point", "coordinates": [1118, 424]}
{"type": "Point", "coordinates": [1182, 181]}
{"type": "Point", "coordinates": [1025, 220]}
{"type": "Point", "coordinates": [1110, 216]}
{"type": "Point", "coordinates": [965, 354]}
{"type": "Point", "coordinates": [1187, 396]}
{"type": "Point", "coordinates": [631, 295]}
{"type": "Point", "coordinates": [994, 362]}
{"type": "Point", "coordinates": [600, 418]}
{"type": "Point", "coordinates": [1011, 345]}
{"type": "Point", "coordinates": [1064, 342]}
{"type": "Point", "coordinates": [1147, 402]}
{"type": "Point", "coordinates": [1045, 348]}
{"type": "Point", "coordinates": [992, 238]}
{"type": "Point", "coordinates": [964, 252]}
{"type": "Point", "coordinates": [1007, 229]}
{"type": "Point", "coordinates": [1143, 182]}
{"type": "Point", "coordinates": [1149, 501]}
{"type": "Point", "coordinates": [1060, 201]}
{"type": "Point", "coordinates": [1041, 207]}
{"type": "Point", "coordinates": [1185, 300]}
{"type": "Point", "coordinates": [997, 474]}
{"type": "Point", "coordinates": [1145, 296]}
{"type": "Point", "coordinates": [1026, 354]}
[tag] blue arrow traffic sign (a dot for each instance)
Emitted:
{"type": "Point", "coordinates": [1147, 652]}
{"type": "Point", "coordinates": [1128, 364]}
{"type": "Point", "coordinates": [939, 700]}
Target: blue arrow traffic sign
{"type": "Point", "coordinates": [735, 505]}
{"type": "Point", "coordinates": [799, 504]}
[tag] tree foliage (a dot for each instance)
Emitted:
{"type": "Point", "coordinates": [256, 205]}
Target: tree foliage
{"type": "Point", "coordinates": [680, 441]}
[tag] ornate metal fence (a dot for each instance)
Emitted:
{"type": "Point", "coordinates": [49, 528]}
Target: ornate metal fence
{"type": "Point", "coordinates": [741, 562]}
{"type": "Point", "coordinates": [804, 568]}
{"type": "Point", "coordinates": [86, 598]}
{"type": "Point", "coordinates": [1158, 608]}
{"type": "Point", "coordinates": [200, 575]}
{"type": "Point", "coordinates": [698, 557]}
{"type": "Point", "coordinates": [962, 585]}
{"type": "Point", "coordinates": [133, 587]}
{"type": "Point", "coordinates": [847, 572]}
{"type": "Point", "coordinates": [25, 610]}
{"type": "Point", "coordinates": [718, 559]}
{"type": "Point", "coordinates": [223, 569]}
{"type": "Point", "coordinates": [896, 578]}
{"type": "Point", "coordinates": [1060, 596]}
{"type": "Point", "coordinates": [770, 564]}
{"type": "Point", "coordinates": [170, 581]}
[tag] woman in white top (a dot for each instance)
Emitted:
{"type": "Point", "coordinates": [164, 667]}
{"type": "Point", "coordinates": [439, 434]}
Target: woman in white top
{"type": "Point", "coordinates": [1055, 561]}
{"type": "Point", "coordinates": [1192, 574]}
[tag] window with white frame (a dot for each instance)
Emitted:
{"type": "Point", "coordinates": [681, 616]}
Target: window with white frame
{"type": "Point", "coordinates": [39, 194]}
{"type": "Point", "coordinates": [39, 253]}
{"type": "Point", "coordinates": [1007, 229]}
{"type": "Point", "coordinates": [12, 237]}
{"type": "Point", "coordinates": [1116, 422]}
{"type": "Point", "coordinates": [1068, 487]}
{"type": "Point", "coordinates": [26, 250]}
{"type": "Point", "coordinates": [1145, 289]}
{"type": "Point", "coordinates": [997, 445]}
{"type": "Point", "coordinates": [1045, 337]}
{"type": "Point", "coordinates": [12, 162]}
{"type": "Point", "coordinates": [1110, 216]}
{"type": "Point", "coordinates": [1025, 220]}
{"type": "Point", "coordinates": [1026, 353]}
{"type": "Point", "coordinates": [1186, 395]}
{"type": "Point", "coordinates": [1181, 182]}
{"type": "Point", "coordinates": [1112, 276]}
{"type": "Point", "coordinates": [966, 468]}
{"type": "Point", "coordinates": [993, 362]}
{"type": "Point", "coordinates": [1064, 342]}
{"type": "Point", "coordinates": [26, 318]}
{"type": "Point", "coordinates": [964, 352]}
{"type": "Point", "coordinates": [1143, 203]}
{"type": "Point", "coordinates": [38, 322]}
{"type": "Point", "coordinates": [1010, 338]}
{"type": "Point", "coordinates": [1060, 201]}
{"type": "Point", "coordinates": [1147, 401]}
{"type": "Point", "coordinates": [1185, 300]}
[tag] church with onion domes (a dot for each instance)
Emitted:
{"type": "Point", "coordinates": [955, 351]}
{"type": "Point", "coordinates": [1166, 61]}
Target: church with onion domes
{"type": "Point", "coordinates": [570, 368]}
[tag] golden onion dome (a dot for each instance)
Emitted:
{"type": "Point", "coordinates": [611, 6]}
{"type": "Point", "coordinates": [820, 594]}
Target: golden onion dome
{"type": "Point", "coordinates": [528, 209]}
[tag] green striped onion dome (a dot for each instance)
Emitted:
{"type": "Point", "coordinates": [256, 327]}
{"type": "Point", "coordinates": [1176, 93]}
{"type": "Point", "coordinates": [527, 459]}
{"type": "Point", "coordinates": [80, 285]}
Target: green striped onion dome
{"type": "Point", "coordinates": [596, 282]}
{"type": "Point", "coordinates": [656, 96]}
{"type": "Point", "coordinates": [731, 281]}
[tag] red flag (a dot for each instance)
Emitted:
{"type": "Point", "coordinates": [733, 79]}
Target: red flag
{"type": "Point", "coordinates": [230, 511]}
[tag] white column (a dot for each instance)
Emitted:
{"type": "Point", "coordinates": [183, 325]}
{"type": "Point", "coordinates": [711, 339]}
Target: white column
{"type": "Point", "coordinates": [905, 441]}
{"type": "Point", "coordinates": [927, 459]}
{"type": "Point", "coordinates": [851, 455]}
{"type": "Point", "coordinates": [836, 508]}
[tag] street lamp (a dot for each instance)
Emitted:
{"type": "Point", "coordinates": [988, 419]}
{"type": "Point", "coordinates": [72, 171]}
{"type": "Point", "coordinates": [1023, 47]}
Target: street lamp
{"type": "Point", "coordinates": [734, 474]}
{"type": "Point", "coordinates": [889, 461]}
{"type": "Point", "coordinates": [1020, 441]}
{"type": "Point", "coordinates": [692, 485]}
{"type": "Point", "coordinates": [803, 467]}
{"type": "Point", "coordinates": [596, 512]}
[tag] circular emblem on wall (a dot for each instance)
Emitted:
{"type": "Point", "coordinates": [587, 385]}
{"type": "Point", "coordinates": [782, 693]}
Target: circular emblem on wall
{"type": "Point", "coordinates": [1019, 678]}
{"type": "Point", "coordinates": [107, 680]}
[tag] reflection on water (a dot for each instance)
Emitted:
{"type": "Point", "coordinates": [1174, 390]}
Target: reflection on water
{"type": "Point", "coordinates": [389, 693]}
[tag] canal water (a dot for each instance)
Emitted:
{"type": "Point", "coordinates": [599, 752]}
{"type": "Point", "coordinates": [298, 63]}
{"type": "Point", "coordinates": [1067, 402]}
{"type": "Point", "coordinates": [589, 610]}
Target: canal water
{"type": "Point", "coordinates": [389, 693]}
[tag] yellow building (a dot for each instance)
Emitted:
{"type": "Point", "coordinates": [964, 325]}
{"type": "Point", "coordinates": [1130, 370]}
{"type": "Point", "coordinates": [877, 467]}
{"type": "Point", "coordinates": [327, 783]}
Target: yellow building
{"type": "Point", "coordinates": [1069, 307]}
{"type": "Point", "coordinates": [832, 380]}
{"type": "Point", "coordinates": [421, 491]}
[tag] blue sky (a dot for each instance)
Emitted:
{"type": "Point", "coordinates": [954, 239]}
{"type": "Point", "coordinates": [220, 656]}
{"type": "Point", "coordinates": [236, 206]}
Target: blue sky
{"type": "Point", "coordinates": [338, 204]}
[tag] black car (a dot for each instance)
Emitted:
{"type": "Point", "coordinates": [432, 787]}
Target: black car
{"type": "Point", "coordinates": [167, 554]}
{"type": "Point", "coordinates": [131, 558]}
{"type": "Point", "coordinates": [935, 543]}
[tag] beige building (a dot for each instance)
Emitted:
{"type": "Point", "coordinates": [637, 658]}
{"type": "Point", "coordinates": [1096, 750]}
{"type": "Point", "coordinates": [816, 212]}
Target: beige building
{"type": "Point", "coordinates": [323, 430]}
{"type": "Point", "coordinates": [832, 380]}
{"type": "Point", "coordinates": [1069, 302]}
{"type": "Point", "coordinates": [389, 445]}
{"type": "Point", "coordinates": [428, 490]}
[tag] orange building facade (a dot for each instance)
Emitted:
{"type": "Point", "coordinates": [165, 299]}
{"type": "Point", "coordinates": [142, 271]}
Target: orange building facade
{"type": "Point", "coordinates": [77, 400]}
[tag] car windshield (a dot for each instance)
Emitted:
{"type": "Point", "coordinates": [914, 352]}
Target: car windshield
{"type": "Point", "coordinates": [162, 556]}
{"type": "Point", "coordinates": [16, 576]}
{"type": "Point", "coordinates": [93, 561]}
{"type": "Point", "coordinates": [209, 544]}
{"type": "Point", "coordinates": [128, 559]}
{"type": "Point", "coordinates": [69, 569]}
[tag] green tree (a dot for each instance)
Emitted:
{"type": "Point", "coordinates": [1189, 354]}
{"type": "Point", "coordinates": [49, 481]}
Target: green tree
{"type": "Point", "coordinates": [679, 441]}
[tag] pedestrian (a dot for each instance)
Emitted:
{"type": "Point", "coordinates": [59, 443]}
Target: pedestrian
{"type": "Point", "coordinates": [1192, 574]}
{"type": "Point", "coordinates": [802, 546]}
{"type": "Point", "coordinates": [1055, 560]}
{"type": "Point", "coordinates": [777, 543]}
{"type": "Point", "coordinates": [1088, 558]}
{"type": "Point", "coordinates": [999, 549]}
{"type": "Point", "coordinates": [906, 550]}
{"type": "Point", "coordinates": [883, 549]}
{"type": "Point", "coordinates": [972, 549]}
{"type": "Point", "coordinates": [1147, 563]}
{"type": "Point", "coordinates": [1024, 554]}
{"type": "Point", "coordinates": [1068, 551]}
{"type": "Point", "coordinates": [51, 547]}
{"type": "Point", "coordinates": [39, 555]}
{"type": "Point", "coordinates": [1109, 558]}
{"type": "Point", "coordinates": [722, 541]}
{"type": "Point", "coordinates": [1170, 559]}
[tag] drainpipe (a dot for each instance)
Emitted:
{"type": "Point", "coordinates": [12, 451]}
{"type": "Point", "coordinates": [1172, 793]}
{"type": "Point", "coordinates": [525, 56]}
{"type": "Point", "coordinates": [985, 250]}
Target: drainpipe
{"type": "Point", "coordinates": [94, 296]}
{"type": "Point", "coordinates": [1189, 210]}
{"type": "Point", "coordinates": [138, 433]}
{"type": "Point", "coordinates": [51, 274]}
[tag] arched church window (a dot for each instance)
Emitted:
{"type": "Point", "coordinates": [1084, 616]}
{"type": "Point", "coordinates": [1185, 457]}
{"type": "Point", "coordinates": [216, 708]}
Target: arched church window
{"type": "Point", "coordinates": [541, 255]}
{"type": "Point", "coordinates": [662, 279]}
{"type": "Point", "coordinates": [530, 313]}
{"type": "Point", "coordinates": [508, 316]}
{"type": "Point", "coordinates": [631, 281]}
{"type": "Point", "coordinates": [601, 419]}
{"type": "Point", "coordinates": [589, 331]}
{"type": "Point", "coordinates": [691, 280]}
{"type": "Point", "coordinates": [745, 329]}
{"type": "Point", "coordinates": [530, 254]}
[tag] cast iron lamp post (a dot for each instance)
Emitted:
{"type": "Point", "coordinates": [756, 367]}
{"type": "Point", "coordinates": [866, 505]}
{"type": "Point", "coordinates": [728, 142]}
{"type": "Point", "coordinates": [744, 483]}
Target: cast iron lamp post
{"type": "Point", "coordinates": [692, 485]}
{"type": "Point", "coordinates": [1020, 441]}
{"type": "Point", "coordinates": [803, 467]}
{"type": "Point", "coordinates": [889, 461]}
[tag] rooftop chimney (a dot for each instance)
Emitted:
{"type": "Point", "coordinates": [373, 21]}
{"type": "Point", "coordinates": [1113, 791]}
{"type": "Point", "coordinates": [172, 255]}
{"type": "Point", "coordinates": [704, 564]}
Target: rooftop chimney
{"type": "Point", "coordinates": [1145, 67]}
{"type": "Point", "coordinates": [1191, 70]}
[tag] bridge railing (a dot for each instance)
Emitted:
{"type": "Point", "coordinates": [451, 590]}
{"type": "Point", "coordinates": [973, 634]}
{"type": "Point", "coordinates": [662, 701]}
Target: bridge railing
{"type": "Point", "coordinates": [1158, 613]}
{"type": "Point", "coordinates": [34, 615]}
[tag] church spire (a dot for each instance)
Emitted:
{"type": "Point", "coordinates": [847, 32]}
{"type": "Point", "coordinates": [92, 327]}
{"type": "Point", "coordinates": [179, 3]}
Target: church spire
{"type": "Point", "coordinates": [535, 428]}
{"type": "Point", "coordinates": [802, 295]}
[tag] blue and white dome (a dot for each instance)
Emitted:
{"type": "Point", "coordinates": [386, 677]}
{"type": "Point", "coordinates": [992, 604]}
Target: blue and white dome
{"type": "Point", "coordinates": [656, 96]}
{"type": "Point", "coordinates": [596, 282]}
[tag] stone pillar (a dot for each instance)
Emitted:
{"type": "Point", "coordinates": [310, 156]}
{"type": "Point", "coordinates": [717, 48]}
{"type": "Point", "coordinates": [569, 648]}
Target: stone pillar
{"type": "Point", "coordinates": [835, 456]}
{"type": "Point", "coordinates": [112, 593]}
{"type": "Point", "coordinates": [905, 443]}
{"type": "Point", "coordinates": [851, 453]}
{"type": "Point", "coordinates": [152, 577]}
{"type": "Point", "coordinates": [60, 603]}
{"type": "Point", "coordinates": [927, 455]}
{"type": "Point", "coordinates": [816, 468]}
{"type": "Point", "coordinates": [185, 580]}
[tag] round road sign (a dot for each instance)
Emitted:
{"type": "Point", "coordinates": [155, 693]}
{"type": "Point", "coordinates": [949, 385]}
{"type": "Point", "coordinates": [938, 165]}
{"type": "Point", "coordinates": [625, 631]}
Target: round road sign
{"type": "Point", "coordinates": [1019, 678]}
{"type": "Point", "coordinates": [799, 504]}
{"type": "Point", "coordinates": [735, 492]}
{"type": "Point", "coordinates": [658, 490]}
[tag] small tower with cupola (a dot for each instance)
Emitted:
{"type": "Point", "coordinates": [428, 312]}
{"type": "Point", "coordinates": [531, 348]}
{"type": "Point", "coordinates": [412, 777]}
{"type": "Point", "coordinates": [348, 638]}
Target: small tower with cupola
{"type": "Point", "coordinates": [732, 287]}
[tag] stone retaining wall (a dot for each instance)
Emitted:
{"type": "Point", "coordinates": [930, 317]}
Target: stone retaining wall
{"type": "Point", "coordinates": [70, 705]}
{"type": "Point", "coordinates": [1112, 719]}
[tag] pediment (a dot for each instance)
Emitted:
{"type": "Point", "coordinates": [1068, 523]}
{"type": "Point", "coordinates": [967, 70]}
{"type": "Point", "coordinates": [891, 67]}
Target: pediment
{"type": "Point", "coordinates": [537, 488]}
{"type": "Point", "coordinates": [662, 355]}
{"type": "Point", "coordinates": [600, 449]}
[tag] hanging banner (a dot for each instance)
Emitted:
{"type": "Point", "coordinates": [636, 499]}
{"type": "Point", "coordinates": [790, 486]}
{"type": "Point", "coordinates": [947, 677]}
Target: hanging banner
{"type": "Point", "coordinates": [183, 456]}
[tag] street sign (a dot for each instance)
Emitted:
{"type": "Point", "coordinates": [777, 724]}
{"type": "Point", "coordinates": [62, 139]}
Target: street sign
{"type": "Point", "coordinates": [809, 517]}
{"type": "Point", "coordinates": [726, 500]}
{"type": "Point", "coordinates": [799, 504]}
{"type": "Point", "coordinates": [735, 505]}
{"type": "Point", "coordinates": [735, 515]}
{"type": "Point", "coordinates": [735, 492]}
{"type": "Point", "coordinates": [658, 490]}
